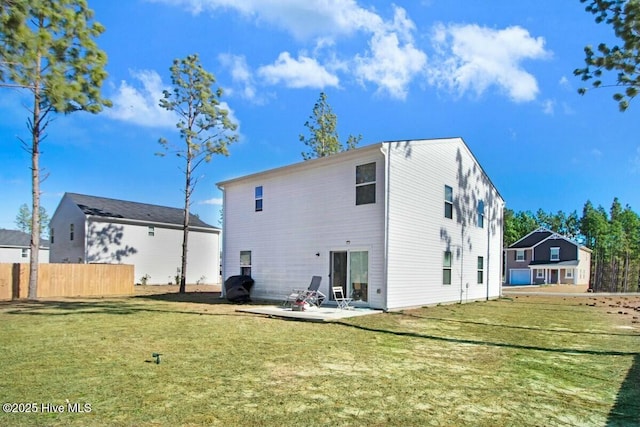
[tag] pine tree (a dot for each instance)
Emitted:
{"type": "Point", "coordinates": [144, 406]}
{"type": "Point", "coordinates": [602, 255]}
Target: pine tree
{"type": "Point", "coordinates": [47, 47]}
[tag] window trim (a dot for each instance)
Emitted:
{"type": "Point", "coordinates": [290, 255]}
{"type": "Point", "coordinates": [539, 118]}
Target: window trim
{"type": "Point", "coordinates": [448, 204]}
{"type": "Point", "coordinates": [524, 255]}
{"type": "Point", "coordinates": [480, 214]}
{"type": "Point", "coordinates": [568, 273]}
{"type": "Point", "coordinates": [258, 197]}
{"type": "Point", "coordinates": [365, 183]}
{"type": "Point", "coordinates": [446, 267]}
{"type": "Point", "coordinates": [244, 268]}
{"type": "Point", "coordinates": [539, 273]}
{"type": "Point", "coordinates": [551, 253]}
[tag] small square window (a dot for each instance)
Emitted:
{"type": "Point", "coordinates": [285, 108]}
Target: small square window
{"type": "Point", "coordinates": [539, 273]}
{"type": "Point", "coordinates": [151, 231]}
{"type": "Point", "coordinates": [25, 252]}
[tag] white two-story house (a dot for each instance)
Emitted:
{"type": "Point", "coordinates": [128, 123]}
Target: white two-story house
{"type": "Point", "coordinates": [395, 224]}
{"type": "Point", "coordinates": [90, 229]}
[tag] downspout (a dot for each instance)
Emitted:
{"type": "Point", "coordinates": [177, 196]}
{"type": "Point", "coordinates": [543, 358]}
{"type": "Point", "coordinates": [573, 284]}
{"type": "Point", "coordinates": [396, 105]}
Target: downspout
{"type": "Point", "coordinates": [385, 285]}
{"type": "Point", "coordinates": [488, 270]}
{"type": "Point", "coordinates": [224, 241]}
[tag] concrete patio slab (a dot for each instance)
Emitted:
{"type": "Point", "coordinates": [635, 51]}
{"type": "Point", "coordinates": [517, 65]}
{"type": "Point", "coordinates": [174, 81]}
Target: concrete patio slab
{"type": "Point", "coordinates": [312, 314]}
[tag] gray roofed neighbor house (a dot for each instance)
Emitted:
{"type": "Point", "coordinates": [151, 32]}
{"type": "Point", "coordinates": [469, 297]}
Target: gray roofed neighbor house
{"type": "Point", "coordinates": [113, 208]}
{"type": "Point", "coordinates": [15, 238]}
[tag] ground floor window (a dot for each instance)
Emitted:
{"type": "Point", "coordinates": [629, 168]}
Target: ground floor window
{"type": "Point", "coordinates": [480, 270]}
{"type": "Point", "coordinates": [245, 263]}
{"type": "Point", "coordinates": [446, 268]}
{"type": "Point", "coordinates": [539, 273]}
{"type": "Point", "coordinates": [569, 274]}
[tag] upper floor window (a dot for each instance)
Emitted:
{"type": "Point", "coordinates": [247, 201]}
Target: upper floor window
{"type": "Point", "coordinates": [366, 184]}
{"type": "Point", "coordinates": [51, 235]}
{"type": "Point", "coordinates": [448, 202]}
{"type": "Point", "coordinates": [446, 268]}
{"type": "Point", "coordinates": [258, 194]}
{"type": "Point", "coordinates": [151, 231]}
{"type": "Point", "coordinates": [520, 255]}
{"type": "Point", "coordinates": [555, 254]}
{"type": "Point", "coordinates": [25, 252]}
{"type": "Point", "coordinates": [70, 231]}
{"type": "Point", "coordinates": [481, 214]}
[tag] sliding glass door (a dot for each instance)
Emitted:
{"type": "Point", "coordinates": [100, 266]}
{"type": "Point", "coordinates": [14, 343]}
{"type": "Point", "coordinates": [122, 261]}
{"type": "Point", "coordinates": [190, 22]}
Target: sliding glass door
{"type": "Point", "coordinates": [350, 271]}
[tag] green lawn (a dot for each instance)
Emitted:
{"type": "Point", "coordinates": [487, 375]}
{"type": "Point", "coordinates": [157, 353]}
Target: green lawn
{"type": "Point", "coordinates": [531, 361]}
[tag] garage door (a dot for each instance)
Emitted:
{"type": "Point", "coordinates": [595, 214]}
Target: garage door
{"type": "Point", "coordinates": [520, 277]}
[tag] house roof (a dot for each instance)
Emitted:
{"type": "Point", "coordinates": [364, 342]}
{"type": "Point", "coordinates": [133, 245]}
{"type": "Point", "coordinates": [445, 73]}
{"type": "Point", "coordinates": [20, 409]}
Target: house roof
{"type": "Point", "coordinates": [532, 239]}
{"type": "Point", "coordinates": [19, 239]}
{"type": "Point", "coordinates": [122, 209]}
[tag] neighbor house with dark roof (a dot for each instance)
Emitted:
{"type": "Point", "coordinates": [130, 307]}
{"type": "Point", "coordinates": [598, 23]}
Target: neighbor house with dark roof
{"type": "Point", "coordinates": [15, 247]}
{"type": "Point", "coordinates": [545, 257]}
{"type": "Point", "coordinates": [89, 229]}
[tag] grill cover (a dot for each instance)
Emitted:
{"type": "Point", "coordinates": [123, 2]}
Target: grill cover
{"type": "Point", "coordinates": [237, 288]}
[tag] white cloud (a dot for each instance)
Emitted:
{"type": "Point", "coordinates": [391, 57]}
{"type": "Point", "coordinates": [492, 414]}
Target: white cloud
{"type": "Point", "coordinates": [303, 19]}
{"type": "Point", "coordinates": [304, 72]}
{"type": "Point", "coordinates": [474, 58]}
{"type": "Point", "coordinates": [216, 201]}
{"type": "Point", "coordinates": [548, 106]}
{"type": "Point", "coordinates": [140, 105]}
{"type": "Point", "coordinates": [393, 59]}
{"type": "Point", "coordinates": [240, 74]}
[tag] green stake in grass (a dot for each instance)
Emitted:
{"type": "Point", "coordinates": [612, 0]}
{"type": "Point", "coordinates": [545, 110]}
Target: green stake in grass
{"type": "Point", "coordinates": [157, 357]}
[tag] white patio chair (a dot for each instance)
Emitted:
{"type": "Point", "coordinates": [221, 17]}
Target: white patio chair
{"type": "Point", "coordinates": [342, 301]}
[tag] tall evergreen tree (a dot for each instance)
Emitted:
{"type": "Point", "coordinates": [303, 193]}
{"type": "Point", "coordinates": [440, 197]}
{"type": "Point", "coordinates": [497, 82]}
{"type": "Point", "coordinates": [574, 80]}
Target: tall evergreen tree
{"type": "Point", "coordinates": [23, 219]}
{"type": "Point", "coordinates": [323, 139]}
{"type": "Point", "coordinates": [624, 58]}
{"type": "Point", "coordinates": [47, 47]}
{"type": "Point", "coordinates": [204, 126]}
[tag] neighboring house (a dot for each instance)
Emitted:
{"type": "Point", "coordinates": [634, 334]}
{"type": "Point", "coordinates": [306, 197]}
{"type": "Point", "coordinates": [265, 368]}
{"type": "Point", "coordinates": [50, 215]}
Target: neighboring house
{"type": "Point", "coordinates": [89, 229]}
{"type": "Point", "coordinates": [395, 224]}
{"type": "Point", "coordinates": [15, 247]}
{"type": "Point", "coordinates": [545, 257]}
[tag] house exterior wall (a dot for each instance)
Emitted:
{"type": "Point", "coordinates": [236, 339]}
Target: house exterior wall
{"type": "Point", "coordinates": [62, 248]}
{"type": "Point", "coordinates": [568, 250]}
{"type": "Point", "coordinates": [15, 255]}
{"type": "Point", "coordinates": [308, 211]}
{"type": "Point", "coordinates": [419, 233]}
{"type": "Point", "coordinates": [156, 256]}
{"type": "Point", "coordinates": [110, 241]}
{"type": "Point", "coordinates": [583, 271]}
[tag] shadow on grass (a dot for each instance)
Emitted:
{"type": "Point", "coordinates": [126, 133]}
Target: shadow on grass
{"type": "Point", "coordinates": [626, 411]}
{"type": "Point", "coordinates": [489, 343]}
{"type": "Point", "coordinates": [527, 328]}
{"type": "Point", "coordinates": [123, 306]}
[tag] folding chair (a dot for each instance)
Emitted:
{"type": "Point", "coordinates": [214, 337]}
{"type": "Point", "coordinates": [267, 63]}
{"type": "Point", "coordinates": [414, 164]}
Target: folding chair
{"type": "Point", "coordinates": [343, 302]}
{"type": "Point", "coordinates": [311, 295]}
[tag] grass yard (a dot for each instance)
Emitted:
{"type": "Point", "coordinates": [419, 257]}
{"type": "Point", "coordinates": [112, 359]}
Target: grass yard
{"type": "Point", "coordinates": [524, 360]}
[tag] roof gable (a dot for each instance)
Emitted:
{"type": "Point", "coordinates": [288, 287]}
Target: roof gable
{"type": "Point", "coordinates": [18, 239]}
{"type": "Point", "coordinates": [121, 209]}
{"type": "Point", "coordinates": [532, 239]}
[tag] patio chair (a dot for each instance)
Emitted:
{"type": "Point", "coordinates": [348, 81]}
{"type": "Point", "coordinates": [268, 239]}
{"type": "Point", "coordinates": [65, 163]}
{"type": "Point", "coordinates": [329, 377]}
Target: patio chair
{"type": "Point", "coordinates": [343, 302]}
{"type": "Point", "coordinates": [311, 295]}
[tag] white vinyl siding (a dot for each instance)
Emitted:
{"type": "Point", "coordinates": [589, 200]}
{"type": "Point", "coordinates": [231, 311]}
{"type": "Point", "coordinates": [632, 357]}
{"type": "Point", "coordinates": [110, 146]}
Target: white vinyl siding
{"type": "Point", "coordinates": [312, 210]}
{"type": "Point", "coordinates": [419, 233]}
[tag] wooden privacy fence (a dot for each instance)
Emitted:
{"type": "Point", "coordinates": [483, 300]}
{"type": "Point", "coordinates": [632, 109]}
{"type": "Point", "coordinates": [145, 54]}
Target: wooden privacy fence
{"type": "Point", "coordinates": [67, 280]}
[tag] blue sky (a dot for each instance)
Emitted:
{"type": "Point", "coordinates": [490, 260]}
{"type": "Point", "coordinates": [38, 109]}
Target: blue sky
{"type": "Point", "coordinates": [500, 77]}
